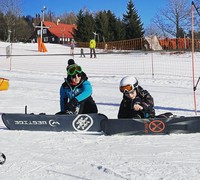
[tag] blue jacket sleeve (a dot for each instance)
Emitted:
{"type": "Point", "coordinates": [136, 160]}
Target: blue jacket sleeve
{"type": "Point", "coordinates": [86, 91]}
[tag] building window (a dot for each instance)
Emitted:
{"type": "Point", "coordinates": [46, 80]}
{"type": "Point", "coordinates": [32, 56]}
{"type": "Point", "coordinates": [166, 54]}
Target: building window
{"type": "Point", "coordinates": [38, 32]}
{"type": "Point", "coordinates": [53, 39]}
{"type": "Point", "coordinates": [44, 31]}
{"type": "Point", "coordinates": [45, 39]}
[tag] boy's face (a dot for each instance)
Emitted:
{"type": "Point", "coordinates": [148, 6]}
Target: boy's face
{"type": "Point", "coordinates": [131, 94]}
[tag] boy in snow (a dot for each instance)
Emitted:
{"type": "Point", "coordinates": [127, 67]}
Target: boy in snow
{"type": "Point", "coordinates": [136, 102]}
{"type": "Point", "coordinates": [76, 91]}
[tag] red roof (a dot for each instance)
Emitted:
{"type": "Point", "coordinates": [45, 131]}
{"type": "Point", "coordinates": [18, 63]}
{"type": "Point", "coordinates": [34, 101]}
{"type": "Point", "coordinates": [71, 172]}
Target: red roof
{"type": "Point", "coordinates": [60, 29]}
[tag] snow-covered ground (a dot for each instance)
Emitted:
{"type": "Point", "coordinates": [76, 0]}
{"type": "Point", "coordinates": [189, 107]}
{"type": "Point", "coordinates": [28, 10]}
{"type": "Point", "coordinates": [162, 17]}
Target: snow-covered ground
{"type": "Point", "coordinates": [35, 81]}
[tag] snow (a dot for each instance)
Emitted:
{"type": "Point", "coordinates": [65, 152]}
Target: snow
{"type": "Point", "coordinates": [35, 81]}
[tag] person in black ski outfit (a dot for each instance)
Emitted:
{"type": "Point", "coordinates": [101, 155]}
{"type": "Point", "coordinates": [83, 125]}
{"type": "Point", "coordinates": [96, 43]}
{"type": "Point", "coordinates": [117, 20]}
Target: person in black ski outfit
{"type": "Point", "coordinates": [76, 92]}
{"type": "Point", "coordinates": [136, 102]}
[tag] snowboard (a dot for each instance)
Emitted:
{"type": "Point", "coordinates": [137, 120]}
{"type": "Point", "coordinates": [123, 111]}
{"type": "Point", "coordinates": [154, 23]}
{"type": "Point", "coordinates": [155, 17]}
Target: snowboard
{"type": "Point", "coordinates": [43, 122]}
{"type": "Point", "coordinates": [151, 126]}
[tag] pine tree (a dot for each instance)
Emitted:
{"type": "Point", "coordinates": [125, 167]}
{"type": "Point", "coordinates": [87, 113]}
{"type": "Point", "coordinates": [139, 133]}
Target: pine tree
{"type": "Point", "coordinates": [113, 30]}
{"type": "Point", "coordinates": [85, 27]}
{"type": "Point", "coordinates": [132, 23]}
{"type": "Point", "coordinates": [108, 26]}
{"type": "Point", "coordinates": [119, 30]}
{"type": "Point", "coordinates": [3, 29]}
{"type": "Point", "coordinates": [102, 23]}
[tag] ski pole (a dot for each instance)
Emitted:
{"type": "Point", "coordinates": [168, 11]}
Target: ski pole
{"type": "Point", "coordinates": [195, 87]}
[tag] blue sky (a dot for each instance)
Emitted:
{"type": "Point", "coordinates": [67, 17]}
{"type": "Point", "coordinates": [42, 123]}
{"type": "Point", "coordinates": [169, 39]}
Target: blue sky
{"type": "Point", "coordinates": [146, 8]}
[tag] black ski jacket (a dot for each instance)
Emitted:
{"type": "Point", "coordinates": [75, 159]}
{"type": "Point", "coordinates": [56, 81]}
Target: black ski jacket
{"type": "Point", "coordinates": [144, 99]}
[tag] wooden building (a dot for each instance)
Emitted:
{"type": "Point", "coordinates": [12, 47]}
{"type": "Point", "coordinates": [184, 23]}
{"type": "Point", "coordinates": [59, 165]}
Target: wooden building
{"type": "Point", "coordinates": [54, 32]}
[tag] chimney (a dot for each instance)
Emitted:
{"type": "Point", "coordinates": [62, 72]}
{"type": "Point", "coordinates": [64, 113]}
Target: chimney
{"type": "Point", "coordinates": [58, 21]}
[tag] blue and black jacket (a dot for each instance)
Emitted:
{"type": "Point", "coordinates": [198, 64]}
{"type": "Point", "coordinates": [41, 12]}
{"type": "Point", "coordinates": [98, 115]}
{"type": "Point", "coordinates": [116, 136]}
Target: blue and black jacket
{"type": "Point", "coordinates": [82, 92]}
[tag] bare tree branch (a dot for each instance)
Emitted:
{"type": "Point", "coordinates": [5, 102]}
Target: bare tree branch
{"type": "Point", "coordinates": [174, 18]}
{"type": "Point", "coordinates": [11, 10]}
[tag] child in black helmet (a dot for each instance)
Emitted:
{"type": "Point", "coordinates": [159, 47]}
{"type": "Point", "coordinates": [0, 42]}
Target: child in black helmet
{"type": "Point", "coordinates": [136, 102]}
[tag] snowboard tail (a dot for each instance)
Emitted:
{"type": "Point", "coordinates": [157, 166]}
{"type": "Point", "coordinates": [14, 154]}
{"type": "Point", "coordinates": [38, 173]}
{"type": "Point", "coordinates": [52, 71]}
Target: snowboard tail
{"type": "Point", "coordinates": [32, 122]}
{"type": "Point", "coordinates": [151, 126]}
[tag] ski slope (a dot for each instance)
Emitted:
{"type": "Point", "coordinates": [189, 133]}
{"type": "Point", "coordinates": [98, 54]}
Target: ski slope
{"type": "Point", "coordinates": [35, 81]}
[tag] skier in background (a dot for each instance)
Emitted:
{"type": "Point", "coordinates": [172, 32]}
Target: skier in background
{"type": "Point", "coordinates": [82, 53]}
{"type": "Point", "coordinates": [72, 45]}
{"type": "Point", "coordinates": [92, 48]}
{"type": "Point", "coordinates": [136, 102]}
{"type": "Point", "coordinates": [76, 92]}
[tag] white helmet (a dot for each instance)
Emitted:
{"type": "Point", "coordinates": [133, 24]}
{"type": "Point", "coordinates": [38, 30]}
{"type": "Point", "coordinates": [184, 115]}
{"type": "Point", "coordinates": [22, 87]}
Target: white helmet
{"type": "Point", "coordinates": [128, 83]}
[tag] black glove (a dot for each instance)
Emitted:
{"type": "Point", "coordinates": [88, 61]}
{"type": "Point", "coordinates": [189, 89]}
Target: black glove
{"type": "Point", "coordinates": [71, 106]}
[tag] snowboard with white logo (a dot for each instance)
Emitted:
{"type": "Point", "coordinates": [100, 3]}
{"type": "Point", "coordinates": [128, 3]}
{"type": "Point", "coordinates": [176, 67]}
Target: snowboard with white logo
{"type": "Point", "coordinates": [43, 122]}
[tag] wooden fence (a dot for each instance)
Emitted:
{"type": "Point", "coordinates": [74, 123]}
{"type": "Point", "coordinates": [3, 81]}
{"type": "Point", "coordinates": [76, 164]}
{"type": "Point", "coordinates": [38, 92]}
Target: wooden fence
{"type": "Point", "coordinates": [140, 44]}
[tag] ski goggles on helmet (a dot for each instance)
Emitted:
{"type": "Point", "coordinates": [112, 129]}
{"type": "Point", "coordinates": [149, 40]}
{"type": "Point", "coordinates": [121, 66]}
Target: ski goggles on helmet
{"type": "Point", "coordinates": [127, 89]}
{"type": "Point", "coordinates": [74, 69]}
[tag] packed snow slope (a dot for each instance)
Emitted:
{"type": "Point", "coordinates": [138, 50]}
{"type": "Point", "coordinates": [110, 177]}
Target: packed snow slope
{"type": "Point", "coordinates": [35, 79]}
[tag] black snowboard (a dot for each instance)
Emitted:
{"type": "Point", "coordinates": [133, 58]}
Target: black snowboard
{"type": "Point", "coordinates": [151, 126]}
{"type": "Point", "coordinates": [32, 122]}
